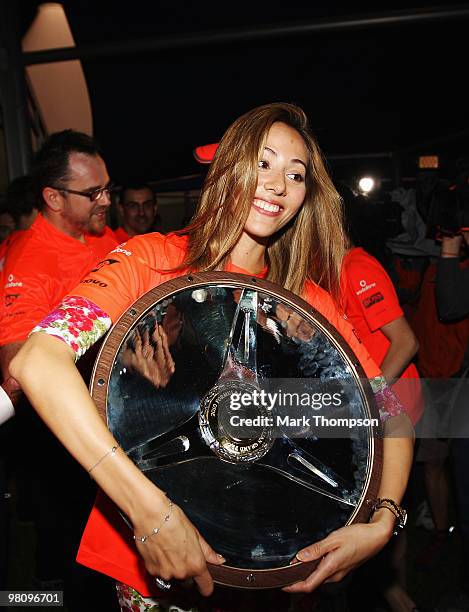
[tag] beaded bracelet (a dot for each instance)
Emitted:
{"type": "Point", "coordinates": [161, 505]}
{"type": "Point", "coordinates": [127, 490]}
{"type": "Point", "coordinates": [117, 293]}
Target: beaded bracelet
{"type": "Point", "coordinates": [392, 506]}
{"type": "Point", "coordinates": [155, 530]}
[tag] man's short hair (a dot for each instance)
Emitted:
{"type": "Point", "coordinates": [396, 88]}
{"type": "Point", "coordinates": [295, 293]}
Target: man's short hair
{"type": "Point", "coordinates": [136, 186]}
{"type": "Point", "coordinates": [50, 165]}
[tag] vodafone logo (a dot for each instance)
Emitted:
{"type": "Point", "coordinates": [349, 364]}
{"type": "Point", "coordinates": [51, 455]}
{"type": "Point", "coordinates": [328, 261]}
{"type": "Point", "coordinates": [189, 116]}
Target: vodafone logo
{"type": "Point", "coordinates": [120, 250]}
{"type": "Point", "coordinates": [11, 282]}
{"type": "Point", "coordinates": [365, 287]}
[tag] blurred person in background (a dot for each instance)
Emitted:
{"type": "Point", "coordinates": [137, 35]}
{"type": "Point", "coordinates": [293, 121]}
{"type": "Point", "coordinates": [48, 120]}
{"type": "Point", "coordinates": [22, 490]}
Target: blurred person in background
{"type": "Point", "coordinates": [372, 307]}
{"type": "Point", "coordinates": [137, 210]}
{"type": "Point", "coordinates": [7, 223]}
{"type": "Point", "coordinates": [441, 358]}
{"type": "Point", "coordinates": [21, 202]}
{"type": "Point", "coordinates": [452, 296]}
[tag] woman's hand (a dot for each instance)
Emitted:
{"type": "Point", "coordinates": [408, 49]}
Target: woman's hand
{"type": "Point", "coordinates": [177, 550]}
{"type": "Point", "coordinates": [342, 551]}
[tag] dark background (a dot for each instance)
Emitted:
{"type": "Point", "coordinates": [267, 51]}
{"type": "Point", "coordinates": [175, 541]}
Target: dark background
{"type": "Point", "coordinates": [371, 90]}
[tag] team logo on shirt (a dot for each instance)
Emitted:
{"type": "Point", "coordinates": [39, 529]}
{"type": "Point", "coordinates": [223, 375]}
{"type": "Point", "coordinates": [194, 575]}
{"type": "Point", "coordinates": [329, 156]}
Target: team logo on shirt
{"type": "Point", "coordinates": [365, 287]}
{"type": "Point", "coordinates": [105, 262]}
{"type": "Point", "coordinates": [120, 250]}
{"type": "Point", "coordinates": [10, 298]}
{"type": "Point", "coordinates": [12, 283]}
{"type": "Point", "coordinates": [373, 299]}
{"type": "Point", "coordinates": [93, 281]}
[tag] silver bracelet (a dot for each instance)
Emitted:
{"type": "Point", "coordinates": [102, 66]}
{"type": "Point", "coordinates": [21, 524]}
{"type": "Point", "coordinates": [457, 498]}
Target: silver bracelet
{"type": "Point", "coordinates": [112, 451]}
{"type": "Point", "coordinates": [155, 530]}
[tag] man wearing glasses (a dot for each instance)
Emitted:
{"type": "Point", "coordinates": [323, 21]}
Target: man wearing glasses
{"type": "Point", "coordinates": [137, 208]}
{"type": "Point", "coordinates": [67, 239]}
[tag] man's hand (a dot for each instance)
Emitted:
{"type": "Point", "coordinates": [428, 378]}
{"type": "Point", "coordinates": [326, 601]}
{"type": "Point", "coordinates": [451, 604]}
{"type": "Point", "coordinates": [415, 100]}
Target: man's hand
{"type": "Point", "coordinates": [12, 389]}
{"type": "Point", "coordinates": [150, 357]}
{"type": "Point", "coordinates": [7, 393]}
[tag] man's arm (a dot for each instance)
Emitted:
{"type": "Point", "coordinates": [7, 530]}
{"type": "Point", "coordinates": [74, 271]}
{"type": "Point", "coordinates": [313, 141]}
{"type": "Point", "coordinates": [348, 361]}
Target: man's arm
{"type": "Point", "coordinates": [27, 298]}
{"type": "Point", "coordinates": [452, 283]}
{"type": "Point", "coordinates": [403, 347]}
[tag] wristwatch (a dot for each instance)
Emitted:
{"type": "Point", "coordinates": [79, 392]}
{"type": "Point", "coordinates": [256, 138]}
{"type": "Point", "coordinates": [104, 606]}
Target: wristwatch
{"type": "Point", "coordinates": [392, 506]}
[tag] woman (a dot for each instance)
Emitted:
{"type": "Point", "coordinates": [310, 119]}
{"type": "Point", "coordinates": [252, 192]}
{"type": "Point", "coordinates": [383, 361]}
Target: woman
{"type": "Point", "coordinates": [268, 208]}
{"type": "Point", "coordinates": [371, 304]}
{"type": "Point", "coordinates": [372, 307]}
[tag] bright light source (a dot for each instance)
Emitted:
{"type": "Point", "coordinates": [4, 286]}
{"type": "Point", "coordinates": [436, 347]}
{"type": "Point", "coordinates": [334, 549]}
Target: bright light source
{"type": "Point", "coordinates": [366, 184]}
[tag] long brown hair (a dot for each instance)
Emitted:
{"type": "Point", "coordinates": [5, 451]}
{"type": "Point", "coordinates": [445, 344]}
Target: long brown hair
{"type": "Point", "coordinates": [310, 246]}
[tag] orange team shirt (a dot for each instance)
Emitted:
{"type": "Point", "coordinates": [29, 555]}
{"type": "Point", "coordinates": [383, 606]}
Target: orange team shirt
{"type": "Point", "coordinates": [40, 266]}
{"type": "Point", "coordinates": [442, 344]}
{"type": "Point", "coordinates": [4, 246]}
{"type": "Point", "coordinates": [370, 301]}
{"type": "Point", "coordinates": [130, 271]}
{"type": "Point", "coordinates": [121, 235]}
{"type": "Point", "coordinates": [106, 240]}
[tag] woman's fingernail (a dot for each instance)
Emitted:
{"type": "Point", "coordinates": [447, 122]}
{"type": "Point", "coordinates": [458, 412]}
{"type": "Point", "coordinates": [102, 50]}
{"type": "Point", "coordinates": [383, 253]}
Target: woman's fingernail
{"type": "Point", "coordinates": [303, 555]}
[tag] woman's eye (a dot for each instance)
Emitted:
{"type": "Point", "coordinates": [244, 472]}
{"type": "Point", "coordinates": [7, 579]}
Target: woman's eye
{"type": "Point", "coordinates": [298, 178]}
{"type": "Point", "coordinates": [263, 164]}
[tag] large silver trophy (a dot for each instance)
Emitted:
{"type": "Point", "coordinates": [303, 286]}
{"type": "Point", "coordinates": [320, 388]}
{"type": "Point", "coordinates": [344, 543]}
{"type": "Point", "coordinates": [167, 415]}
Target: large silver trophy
{"type": "Point", "coordinates": [248, 408]}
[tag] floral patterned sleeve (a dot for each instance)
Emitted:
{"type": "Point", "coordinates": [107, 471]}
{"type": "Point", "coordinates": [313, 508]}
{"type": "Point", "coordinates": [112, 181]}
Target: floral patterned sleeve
{"type": "Point", "coordinates": [387, 401]}
{"type": "Point", "coordinates": [78, 322]}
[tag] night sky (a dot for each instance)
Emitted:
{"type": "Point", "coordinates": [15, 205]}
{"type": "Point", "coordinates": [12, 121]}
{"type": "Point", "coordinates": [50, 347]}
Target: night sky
{"type": "Point", "coordinates": [365, 91]}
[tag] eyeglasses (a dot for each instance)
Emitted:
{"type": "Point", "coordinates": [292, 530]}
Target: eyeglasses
{"type": "Point", "coordinates": [94, 196]}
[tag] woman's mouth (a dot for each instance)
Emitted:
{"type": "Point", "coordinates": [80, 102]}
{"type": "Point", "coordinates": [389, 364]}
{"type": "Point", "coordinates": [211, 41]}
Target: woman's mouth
{"type": "Point", "coordinates": [267, 208]}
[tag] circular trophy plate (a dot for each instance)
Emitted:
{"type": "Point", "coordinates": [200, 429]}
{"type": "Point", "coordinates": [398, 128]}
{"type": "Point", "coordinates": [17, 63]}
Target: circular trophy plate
{"type": "Point", "coordinates": [248, 408]}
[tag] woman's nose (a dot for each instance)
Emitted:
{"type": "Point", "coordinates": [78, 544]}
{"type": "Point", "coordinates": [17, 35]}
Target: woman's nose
{"type": "Point", "coordinates": [275, 183]}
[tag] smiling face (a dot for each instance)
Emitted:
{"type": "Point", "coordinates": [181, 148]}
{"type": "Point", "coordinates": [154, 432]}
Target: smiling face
{"type": "Point", "coordinates": [281, 184]}
{"type": "Point", "coordinates": [138, 210]}
{"type": "Point", "coordinates": [78, 213]}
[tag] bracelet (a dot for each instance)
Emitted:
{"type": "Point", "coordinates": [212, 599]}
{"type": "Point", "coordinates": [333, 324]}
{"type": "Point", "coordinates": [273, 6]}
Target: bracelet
{"type": "Point", "coordinates": [110, 452]}
{"type": "Point", "coordinates": [449, 254]}
{"type": "Point", "coordinates": [392, 506]}
{"type": "Point", "coordinates": [155, 530]}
